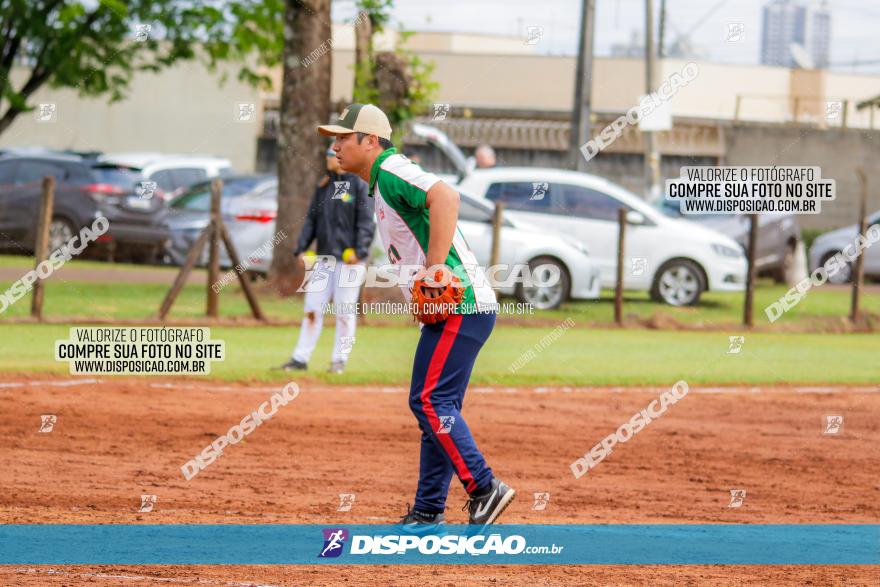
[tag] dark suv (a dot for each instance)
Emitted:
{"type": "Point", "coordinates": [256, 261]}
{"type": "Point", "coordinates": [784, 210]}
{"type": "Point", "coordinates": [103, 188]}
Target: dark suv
{"type": "Point", "coordinates": [84, 191]}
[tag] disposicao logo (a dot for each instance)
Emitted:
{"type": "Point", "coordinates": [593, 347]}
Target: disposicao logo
{"type": "Point", "coordinates": [334, 541]}
{"type": "Point", "coordinates": [413, 545]}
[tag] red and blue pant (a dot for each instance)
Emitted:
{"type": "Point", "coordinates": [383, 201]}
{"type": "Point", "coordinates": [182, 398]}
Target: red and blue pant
{"type": "Point", "coordinates": [442, 367]}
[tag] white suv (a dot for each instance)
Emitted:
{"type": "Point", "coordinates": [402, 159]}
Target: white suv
{"type": "Point", "coordinates": [172, 173]}
{"type": "Point", "coordinates": [676, 260]}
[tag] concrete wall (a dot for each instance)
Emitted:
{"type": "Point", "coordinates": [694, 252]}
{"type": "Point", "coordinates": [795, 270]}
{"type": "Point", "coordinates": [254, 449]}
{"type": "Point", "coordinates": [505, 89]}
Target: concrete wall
{"type": "Point", "coordinates": [840, 87]}
{"type": "Point", "coordinates": [837, 152]}
{"type": "Point", "coordinates": [541, 82]}
{"type": "Point", "coordinates": [181, 110]}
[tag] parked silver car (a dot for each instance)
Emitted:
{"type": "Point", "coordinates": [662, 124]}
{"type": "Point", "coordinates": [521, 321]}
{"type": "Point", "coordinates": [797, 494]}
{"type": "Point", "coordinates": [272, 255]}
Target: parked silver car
{"type": "Point", "coordinates": [833, 242]}
{"type": "Point", "coordinates": [525, 244]}
{"type": "Point", "coordinates": [250, 204]}
{"type": "Point", "coordinates": [249, 207]}
{"type": "Point", "coordinates": [563, 263]}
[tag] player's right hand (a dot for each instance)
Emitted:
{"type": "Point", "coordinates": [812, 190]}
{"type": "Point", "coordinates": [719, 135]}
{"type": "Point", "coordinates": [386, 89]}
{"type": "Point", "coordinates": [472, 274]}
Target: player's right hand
{"type": "Point", "coordinates": [307, 259]}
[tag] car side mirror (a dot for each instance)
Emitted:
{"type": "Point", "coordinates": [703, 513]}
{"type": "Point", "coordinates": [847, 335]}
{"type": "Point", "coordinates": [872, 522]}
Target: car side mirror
{"type": "Point", "coordinates": [633, 217]}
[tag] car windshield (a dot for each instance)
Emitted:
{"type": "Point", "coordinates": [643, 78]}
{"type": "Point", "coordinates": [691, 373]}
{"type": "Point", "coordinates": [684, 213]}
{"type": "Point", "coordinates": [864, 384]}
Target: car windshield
{"type": "Point", "coordinates": [198, 197]}
{"type": "Point", "coordinates": [123, 177]}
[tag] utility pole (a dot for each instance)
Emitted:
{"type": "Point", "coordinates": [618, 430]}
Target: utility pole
{"type": "Point", "coordinates": [652, 158]}
{"type": "Point", "coordinates": [661, 37]}
{"type": "Point", "coordinates": [583, 88]}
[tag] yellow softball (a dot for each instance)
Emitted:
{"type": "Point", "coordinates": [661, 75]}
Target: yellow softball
{"type": "Point", "coordinates": [309, 259]}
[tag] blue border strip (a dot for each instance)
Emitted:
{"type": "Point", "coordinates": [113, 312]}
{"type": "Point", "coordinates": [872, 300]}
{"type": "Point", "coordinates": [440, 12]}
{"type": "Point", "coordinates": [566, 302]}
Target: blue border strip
{"type": "Point", "coordinates": [620, 544]}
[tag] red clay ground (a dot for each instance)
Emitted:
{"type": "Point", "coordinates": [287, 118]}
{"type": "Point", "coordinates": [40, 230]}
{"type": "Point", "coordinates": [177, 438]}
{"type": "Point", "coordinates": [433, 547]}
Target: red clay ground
{"type": "Point", "coordinates": [116, 439]}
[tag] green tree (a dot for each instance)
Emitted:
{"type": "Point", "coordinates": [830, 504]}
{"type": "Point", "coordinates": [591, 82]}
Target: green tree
{"type": "Point", "coordinates": [305, 102]}
{"type": "Point", "coordinates": [398, 82]}
{"type": "Point", "coordinates": [372, 17]}
{"type": "Point", "coordinates": [97, 47]}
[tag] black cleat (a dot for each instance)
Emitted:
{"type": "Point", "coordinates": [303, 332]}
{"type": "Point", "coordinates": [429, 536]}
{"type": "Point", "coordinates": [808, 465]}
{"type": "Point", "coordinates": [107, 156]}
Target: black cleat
{"type": "Point", "coordinates": [485, 509]}
{"type": "Point", "coordinates": [420, 523]}
{"type": "Point", "coordinates": [293, 365]}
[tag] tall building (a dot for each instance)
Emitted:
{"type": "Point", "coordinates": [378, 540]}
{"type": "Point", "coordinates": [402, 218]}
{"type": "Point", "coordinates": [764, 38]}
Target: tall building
{"type": "Point", "coordinates": [820, 36]}
{"type": "Point", "coordinates": [791, 22]}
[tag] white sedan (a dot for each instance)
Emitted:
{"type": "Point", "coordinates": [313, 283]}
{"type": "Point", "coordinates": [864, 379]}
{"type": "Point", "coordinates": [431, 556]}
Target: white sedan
{"type": "Point", "coordinates": [562, 263]}
{"type": "Point", "coordinates": [676, 260]}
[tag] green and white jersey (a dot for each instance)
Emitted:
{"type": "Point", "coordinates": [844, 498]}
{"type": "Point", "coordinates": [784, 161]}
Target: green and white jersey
{"type": "Point", "coordinates": [400, 189]}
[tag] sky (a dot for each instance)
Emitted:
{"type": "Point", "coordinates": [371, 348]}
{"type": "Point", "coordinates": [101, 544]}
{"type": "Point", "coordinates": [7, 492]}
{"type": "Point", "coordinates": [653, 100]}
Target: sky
{"type": "Point", "coordinates": [853, 38]}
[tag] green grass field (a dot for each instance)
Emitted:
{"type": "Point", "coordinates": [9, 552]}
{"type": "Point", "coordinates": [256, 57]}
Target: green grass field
{"type": "Point", "coordinates": [580, 356]}
{"type": "Point", "coordinates": [584, 355]}
{"type": "Point", "coordinates": [68, 298]}
{"type": "Point", "coordinates": [25, 262]}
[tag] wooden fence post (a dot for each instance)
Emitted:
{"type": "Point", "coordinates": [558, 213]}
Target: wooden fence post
{"type": "Point", "coordinates": [213, 309]}
{"type": "Point", "coordinates": [497, 223]}
{"type": "Point", "coordinates": [41, 246]}
{"type": "Point", "coordinates": [618, 288]}
{"type": "Point", "coordinates": [752, 274]}
{"type": "Point", "coordinates": [212, 235]}
{"type": "Point", "coordinates": [858, 274]}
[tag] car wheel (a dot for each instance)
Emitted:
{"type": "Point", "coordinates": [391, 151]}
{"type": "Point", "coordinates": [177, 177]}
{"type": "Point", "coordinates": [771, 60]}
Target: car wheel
{"type": "Point", "coordinates": [545, 297]}
{"type": "Point", "coordinates": [678, 283]}
{"type": "Point", "coordinates": [60, 233]}
{"type": "Point", "coordinates": [844, 274]}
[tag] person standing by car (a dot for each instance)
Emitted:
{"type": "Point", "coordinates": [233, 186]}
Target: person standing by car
{"type": "Point", "coordinates": [485, 156]}
{"type": "Point", "coordinates": [340, 217]}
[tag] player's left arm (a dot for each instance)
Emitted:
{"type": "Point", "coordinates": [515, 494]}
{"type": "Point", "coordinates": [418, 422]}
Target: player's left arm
{"type": "Point", "coordinates": [442, 204]}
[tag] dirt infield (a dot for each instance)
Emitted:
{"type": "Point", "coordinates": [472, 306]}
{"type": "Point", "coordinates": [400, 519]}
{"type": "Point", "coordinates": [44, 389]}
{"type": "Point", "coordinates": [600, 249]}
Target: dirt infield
{"type": "Point", "coordinates": [116, 439]}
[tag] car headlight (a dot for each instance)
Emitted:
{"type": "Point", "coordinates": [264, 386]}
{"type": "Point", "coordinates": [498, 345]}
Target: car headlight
{"type": "Point", "coordinates": [726, 251]}
{"type": "Point", "coordinates": [578, 245]}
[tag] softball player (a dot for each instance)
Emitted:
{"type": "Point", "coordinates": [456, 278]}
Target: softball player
{"type": "Point", "coordinates": [340, 219]}
{"type": "Point", "coordinates": [417, 216]}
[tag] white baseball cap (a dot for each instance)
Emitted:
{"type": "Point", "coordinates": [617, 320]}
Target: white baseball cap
{"type": "Point", "coordinates": [364, 118]}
